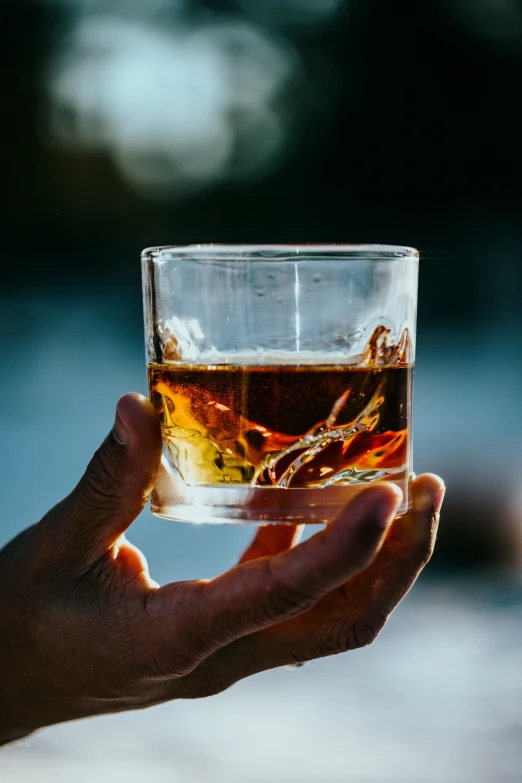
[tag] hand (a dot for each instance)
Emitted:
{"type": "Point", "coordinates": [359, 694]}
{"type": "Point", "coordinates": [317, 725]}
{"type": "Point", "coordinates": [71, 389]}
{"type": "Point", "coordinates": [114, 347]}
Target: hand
{"type": "Point", "coordinates": [85, 631]}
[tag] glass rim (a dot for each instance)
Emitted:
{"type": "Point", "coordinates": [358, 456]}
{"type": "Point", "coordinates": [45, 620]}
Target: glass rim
{"type": "Point", "coordinates": [277, 252]}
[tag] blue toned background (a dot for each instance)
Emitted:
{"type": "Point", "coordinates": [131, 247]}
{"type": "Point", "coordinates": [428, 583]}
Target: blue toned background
{"type": "Point", "coordinates": [184, 120]}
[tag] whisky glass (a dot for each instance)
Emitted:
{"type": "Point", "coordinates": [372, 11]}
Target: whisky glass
{"type": "Point", "coordinates": [282, 375]}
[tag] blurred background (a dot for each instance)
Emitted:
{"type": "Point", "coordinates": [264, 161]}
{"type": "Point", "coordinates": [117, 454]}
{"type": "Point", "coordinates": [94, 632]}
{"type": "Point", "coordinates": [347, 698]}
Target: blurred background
{"type": "Point", "coordinates": [129, 124]}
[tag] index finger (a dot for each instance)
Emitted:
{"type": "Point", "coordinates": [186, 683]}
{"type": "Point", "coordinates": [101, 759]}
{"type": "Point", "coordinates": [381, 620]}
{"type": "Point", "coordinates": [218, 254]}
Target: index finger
{"type": "Point", "coordinates": [261, 593]}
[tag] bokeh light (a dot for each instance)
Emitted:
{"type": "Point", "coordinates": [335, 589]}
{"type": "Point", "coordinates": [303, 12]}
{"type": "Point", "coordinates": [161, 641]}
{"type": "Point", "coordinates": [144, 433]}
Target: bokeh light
{"type": "Point", "coordinates": [177, 106]}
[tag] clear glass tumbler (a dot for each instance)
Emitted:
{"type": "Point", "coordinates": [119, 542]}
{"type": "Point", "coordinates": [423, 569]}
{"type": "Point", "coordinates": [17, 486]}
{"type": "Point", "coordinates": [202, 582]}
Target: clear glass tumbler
{"type": "Point", "coordinates": [282, 375]}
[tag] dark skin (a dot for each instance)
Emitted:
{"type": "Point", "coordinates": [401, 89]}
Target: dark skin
{"type": "Point", "coordinates": [85, 631]}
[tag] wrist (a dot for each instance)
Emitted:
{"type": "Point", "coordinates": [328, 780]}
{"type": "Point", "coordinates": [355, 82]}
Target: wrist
{"type": "Point", "coordinates": [16, 720]}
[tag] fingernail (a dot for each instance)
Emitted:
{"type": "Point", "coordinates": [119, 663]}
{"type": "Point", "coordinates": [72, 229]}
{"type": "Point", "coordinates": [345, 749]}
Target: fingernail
{"type": "Point", "coordinates": [120, 431]}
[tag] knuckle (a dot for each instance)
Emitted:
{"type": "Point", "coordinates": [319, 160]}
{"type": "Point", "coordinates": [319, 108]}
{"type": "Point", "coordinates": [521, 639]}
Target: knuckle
{"type": "Point", "coordinates": [352, 634]}
{"type": "Point", "coordinates": [360, 632]}
{"type": "Point", "coordinates": [101, 485]}
{"type": "Point", "coordinates": [180, 646]}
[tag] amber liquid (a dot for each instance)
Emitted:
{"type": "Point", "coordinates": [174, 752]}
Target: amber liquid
{"type": "Point", "coordinates": [284, 426]}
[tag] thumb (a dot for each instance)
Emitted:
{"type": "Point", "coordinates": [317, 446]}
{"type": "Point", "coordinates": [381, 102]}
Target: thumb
{"type": "Point", "coordinates": [117, 482]}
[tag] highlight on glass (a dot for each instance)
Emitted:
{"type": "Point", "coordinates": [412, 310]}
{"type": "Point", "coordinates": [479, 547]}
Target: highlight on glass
{"type": "Point", "coordinates": [283, 377]}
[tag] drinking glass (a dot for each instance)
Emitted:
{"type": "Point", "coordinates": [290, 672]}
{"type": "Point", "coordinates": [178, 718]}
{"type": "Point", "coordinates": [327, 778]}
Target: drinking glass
{"type": "Point", "coordinates": [282, 375]}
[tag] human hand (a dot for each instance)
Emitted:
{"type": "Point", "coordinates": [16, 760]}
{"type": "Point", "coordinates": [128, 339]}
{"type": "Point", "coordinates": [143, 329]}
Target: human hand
{"type": "Point", "coordinates": [85, 631]}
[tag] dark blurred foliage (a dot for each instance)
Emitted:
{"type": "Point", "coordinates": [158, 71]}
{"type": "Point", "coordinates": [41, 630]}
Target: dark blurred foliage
{"type": "Point", "coordinates": [421, 146]}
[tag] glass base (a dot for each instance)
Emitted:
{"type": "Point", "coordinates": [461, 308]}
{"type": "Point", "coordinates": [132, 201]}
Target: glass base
{"type": "Point", "coordinates": [244, 505]}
